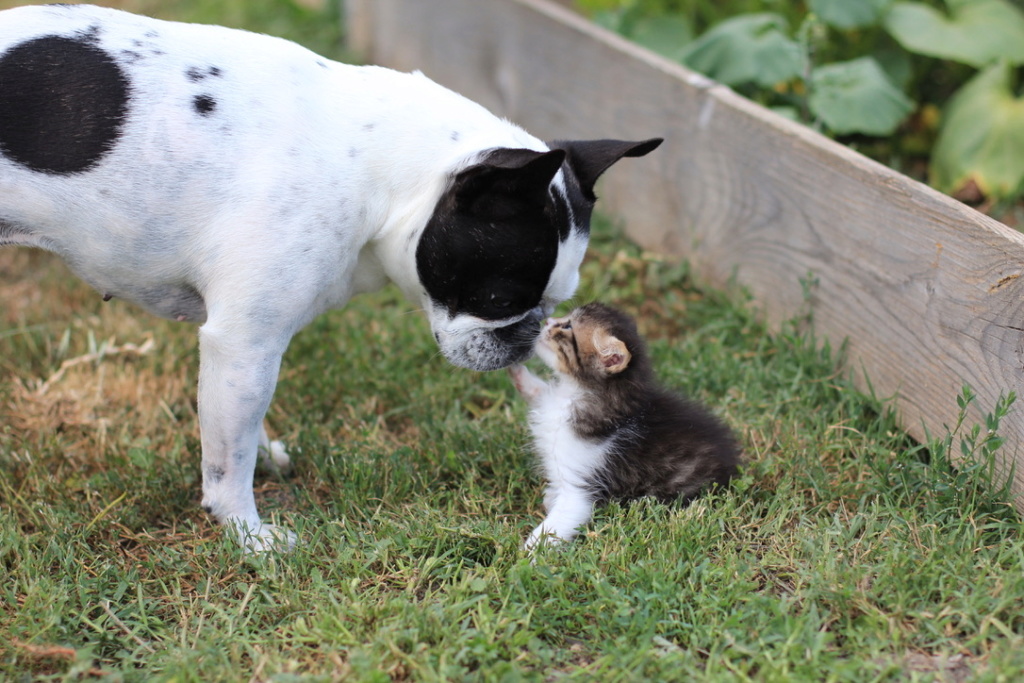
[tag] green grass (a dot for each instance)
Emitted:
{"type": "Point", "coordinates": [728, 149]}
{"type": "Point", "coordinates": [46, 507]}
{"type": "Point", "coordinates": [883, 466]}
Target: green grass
{"type": "Point", "coordinates": [845, 552]}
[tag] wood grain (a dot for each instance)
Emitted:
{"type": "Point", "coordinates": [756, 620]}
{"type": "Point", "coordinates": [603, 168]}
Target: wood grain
{"type": "Point", "coordinates": [926, 292]}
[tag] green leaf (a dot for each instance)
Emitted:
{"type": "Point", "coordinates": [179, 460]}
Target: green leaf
{"type": "Point", "coordinates": [896, 62]}
{"type": "Point", "coordinates": [666, 34]}
{"type": "Point", "coordinates": [608, 19]}
{"type": "Point", "coordinates": [752, 48]}
{"type": "Point", "coordinates": [849, 14]}
{"type": "Point", "coordinates": [981, 138]}
{"type": "Point", "coordinates": [857, 97]}
{"type": "Point", "coordinates": [976, 32]}
{"type": "Point", "coordinates": [594, 6]}
{"type": "Point", "coordinates": [787, 111]}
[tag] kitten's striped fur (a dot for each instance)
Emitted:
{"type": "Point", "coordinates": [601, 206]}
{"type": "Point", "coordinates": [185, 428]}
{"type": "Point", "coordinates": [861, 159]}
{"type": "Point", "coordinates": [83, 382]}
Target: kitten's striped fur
{"type": "Point", "coordinates": [606, 430]}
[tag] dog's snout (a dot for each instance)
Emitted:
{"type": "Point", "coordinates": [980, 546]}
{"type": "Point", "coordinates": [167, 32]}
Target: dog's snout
{"type": "Point", "coordinates": [535, 316]}
{"type": "Point", "coordinates": [523, 332]}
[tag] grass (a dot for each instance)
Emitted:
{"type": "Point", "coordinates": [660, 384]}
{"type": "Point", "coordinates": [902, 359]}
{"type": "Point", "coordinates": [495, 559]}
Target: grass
{"type": "Point", "coordinates": [845, 552]}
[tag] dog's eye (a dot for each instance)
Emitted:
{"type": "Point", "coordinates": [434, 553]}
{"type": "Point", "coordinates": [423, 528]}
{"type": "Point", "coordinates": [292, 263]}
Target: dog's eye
{"type": "Point", "coordinates": [500, 302]}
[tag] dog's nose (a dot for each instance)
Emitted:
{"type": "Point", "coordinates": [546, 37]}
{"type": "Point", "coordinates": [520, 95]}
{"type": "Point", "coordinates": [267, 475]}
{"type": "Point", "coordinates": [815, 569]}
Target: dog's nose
{"type": "Point", "coordinates": [535, 316]}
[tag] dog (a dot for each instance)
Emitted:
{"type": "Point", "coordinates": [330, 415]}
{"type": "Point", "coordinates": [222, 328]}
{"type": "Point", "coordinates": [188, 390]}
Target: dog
{"type": "Point", "coordinates": [245, 184]}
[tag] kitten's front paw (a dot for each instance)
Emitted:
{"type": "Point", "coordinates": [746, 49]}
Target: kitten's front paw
{"type": "Point", "coordinates": [266, 537]}
{"type": "Point", "coordinates": [517, 372]}
{"type": "Point", "coordinates": [542, 537]}
{"type": "Point", "coordinates": [526, 383]}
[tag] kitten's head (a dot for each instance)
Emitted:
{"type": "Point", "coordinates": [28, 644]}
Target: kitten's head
{"type": "Point", "coordinates": [593, 343]}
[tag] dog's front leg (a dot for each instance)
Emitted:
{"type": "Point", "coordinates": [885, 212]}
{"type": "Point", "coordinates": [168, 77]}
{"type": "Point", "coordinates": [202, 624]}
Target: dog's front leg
{"type": "Point", "coordinates": [237, 375]}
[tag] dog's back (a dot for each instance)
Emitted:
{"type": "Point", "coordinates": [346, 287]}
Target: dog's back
{"type": "Point", "coordinates": [151, 154]}
{"type": "Point", "coordinates": [115, 128]}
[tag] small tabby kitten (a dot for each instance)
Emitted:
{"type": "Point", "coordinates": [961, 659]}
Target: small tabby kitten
{"type": "Point", "coordinates": [605, 430]}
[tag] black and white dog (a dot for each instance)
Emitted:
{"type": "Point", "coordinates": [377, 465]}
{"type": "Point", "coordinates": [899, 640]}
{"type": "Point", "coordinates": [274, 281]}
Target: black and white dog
{"type": "Point", "coordinates": [246, 184]}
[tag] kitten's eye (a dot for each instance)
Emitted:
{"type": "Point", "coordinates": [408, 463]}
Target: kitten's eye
{"type": "Point", "coordinates": [567, 325]}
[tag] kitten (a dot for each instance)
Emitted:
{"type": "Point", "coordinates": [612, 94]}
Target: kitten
{"type": "Point", "coordinates": [605, 430]}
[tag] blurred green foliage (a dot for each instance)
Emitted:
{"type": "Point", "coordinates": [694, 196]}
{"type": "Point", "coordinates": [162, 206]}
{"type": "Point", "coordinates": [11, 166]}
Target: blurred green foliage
{"type": "Point", "coordinates": [317, 25]}
{"type": "Point", "coordinates": [936, 80]}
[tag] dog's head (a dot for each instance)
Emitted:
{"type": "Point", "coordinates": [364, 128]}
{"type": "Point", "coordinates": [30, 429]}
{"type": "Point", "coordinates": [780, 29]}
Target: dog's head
{"type": "Point", "coordinates": [505, 243]}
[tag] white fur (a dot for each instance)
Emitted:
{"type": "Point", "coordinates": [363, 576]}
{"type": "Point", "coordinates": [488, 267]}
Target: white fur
{"type": "Point", "coordinates": [237, 207]}
{"type": "Point", "coordinates": [567, 460]}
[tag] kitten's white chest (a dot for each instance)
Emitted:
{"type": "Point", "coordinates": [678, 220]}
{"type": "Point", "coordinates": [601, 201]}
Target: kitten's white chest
{"type": "Point", "coordinates": [570, 463]}
{"type": "Point", "coordinates": [567, 459]}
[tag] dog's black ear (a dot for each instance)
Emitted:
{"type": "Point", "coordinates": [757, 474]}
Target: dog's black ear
{"type": "Point", "coordinates": [588, 159]}
{"type": "Point", "coordinates": [507, 179]}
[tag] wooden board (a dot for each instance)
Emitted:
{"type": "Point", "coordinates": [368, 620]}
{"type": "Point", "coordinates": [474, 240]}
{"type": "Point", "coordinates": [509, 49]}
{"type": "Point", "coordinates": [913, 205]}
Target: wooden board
{"type": "Point", "coordinates": [927, 292]}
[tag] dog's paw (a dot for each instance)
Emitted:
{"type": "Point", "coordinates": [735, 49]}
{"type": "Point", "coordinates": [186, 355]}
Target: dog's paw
{"type": "Point", "coordinates": [274, 457]}
{"type": "Point", "coordinates": [267, 537]}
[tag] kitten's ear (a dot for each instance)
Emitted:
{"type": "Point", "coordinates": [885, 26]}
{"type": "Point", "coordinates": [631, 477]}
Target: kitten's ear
{"type": "Point", "coordinates": [613, 354]}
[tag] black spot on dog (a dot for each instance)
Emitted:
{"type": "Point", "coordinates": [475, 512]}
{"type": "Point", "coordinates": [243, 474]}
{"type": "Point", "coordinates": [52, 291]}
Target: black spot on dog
{"type": "Point", "coordinates": [195, 74]}
{"type": "Point", "coordinates": [91, 34]}
{"type": "Point", "coordinates": [131, 56]}
{"type": "Point", "coordinates": [353, 152]}
{"type": "Point", "coordinates": [208, 509]}
{"type": "Point", "coordinates": [559, 208]}
{"type": "Point", "coordinates": [455, 136]}
{"type": "Point", "coordinates": [321, 64]}
{"type": "Point", "coordinates": [214, 475]}
{"type": "Point", "coordinates": [151, 34]}
{"type": "Point", "coordinates": [490, 246]}
{"type": "Point", "coordinates": [204, 104]}
{"type": "Point", "coordinates": [368, 127]}
{"type": "Point", "coordinates": [63, 105]}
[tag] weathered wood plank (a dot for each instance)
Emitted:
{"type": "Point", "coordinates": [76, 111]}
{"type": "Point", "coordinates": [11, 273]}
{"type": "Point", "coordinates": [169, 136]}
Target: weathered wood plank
{"type": "Point", "coordinates": [927, 292]}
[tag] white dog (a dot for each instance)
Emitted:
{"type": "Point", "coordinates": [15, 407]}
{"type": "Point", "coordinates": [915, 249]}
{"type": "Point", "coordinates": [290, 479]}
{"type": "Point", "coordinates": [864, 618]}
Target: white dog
{"type": "Point", "coordinates": [243, 183]}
